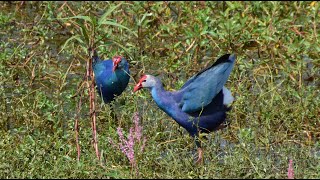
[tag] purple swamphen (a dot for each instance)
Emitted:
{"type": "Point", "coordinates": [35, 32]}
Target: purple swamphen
{"type": "Point", "coordinates": [111, 76]}
{"type": "Point", "coordinates": [201, 103]}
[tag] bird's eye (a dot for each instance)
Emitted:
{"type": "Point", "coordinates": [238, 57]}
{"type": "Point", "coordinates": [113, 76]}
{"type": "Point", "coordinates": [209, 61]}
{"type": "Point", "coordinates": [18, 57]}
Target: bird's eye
{"type": "Point", "coordinates": [144, 80]}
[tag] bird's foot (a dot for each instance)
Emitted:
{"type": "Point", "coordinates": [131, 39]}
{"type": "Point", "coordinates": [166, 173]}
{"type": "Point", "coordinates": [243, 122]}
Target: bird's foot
{"type": "Point", "coordinates": [200, 157]}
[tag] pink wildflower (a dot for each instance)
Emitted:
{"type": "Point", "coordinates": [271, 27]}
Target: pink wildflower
{"type": "Point", "coordinates": [123, 148]}
{"type": "Point", "coordinates": [290, 170]}
{"type": "Point", "coordinates": [130, 146]}
{"type": "Point", "coordinates": [138, 128]}
{"type": "Point", "coordinates": [127, 146]}
{"type": "Point", "coordinates": [143, 144]}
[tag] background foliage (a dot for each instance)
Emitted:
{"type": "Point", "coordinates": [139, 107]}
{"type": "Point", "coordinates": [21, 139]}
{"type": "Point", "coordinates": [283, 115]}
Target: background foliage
{"type": "Point", "coordinates": [43, 57]}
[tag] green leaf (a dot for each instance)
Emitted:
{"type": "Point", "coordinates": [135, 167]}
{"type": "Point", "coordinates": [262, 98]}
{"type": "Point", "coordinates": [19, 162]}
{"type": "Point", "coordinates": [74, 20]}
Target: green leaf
{"type": "Point", "coordinates": [120, 26]}
{"type": "Point", "coordinates": [143, 17]}
{"type": "Point", "coordinates": [231, 5]}
{"type": "Point", "coordinates": [76, 37]}
{"type": "Point", "coordinates": [124, 48]}
{"type": "Point", "coordinates": [106, 14]}
{"type": "Point", "coordinates": [84, 32]}
{"type": "Point", "coordinates": [86, 18]}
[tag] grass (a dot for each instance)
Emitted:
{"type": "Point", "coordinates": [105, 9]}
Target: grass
{"type": "Point", "coordinates": [275, 82]}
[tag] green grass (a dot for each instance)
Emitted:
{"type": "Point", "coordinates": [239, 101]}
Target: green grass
{"type": "Point", "coordinates": [275, 81]}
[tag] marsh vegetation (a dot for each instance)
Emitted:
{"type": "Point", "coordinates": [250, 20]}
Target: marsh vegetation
{"type": "Point", "coordinates": [275, 81]}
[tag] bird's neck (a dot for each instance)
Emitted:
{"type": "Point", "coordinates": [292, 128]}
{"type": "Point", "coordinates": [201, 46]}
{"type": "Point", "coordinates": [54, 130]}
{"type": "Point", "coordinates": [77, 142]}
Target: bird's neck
{"type": "Point", "coordinates": [166, 102]}
{"type": "Point", "coordinates": [157, 91]}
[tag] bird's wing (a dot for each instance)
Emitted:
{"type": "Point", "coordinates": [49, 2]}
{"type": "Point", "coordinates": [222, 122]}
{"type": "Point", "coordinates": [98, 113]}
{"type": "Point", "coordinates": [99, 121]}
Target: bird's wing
{"type": "Point", "coordinates": [200, 89]}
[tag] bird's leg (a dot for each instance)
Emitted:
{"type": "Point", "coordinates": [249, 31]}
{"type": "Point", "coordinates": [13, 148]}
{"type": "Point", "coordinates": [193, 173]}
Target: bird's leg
{"type": "Point", "coordinates": [200, 151]}
{"type": "Point", "coordinates": [200, 156]}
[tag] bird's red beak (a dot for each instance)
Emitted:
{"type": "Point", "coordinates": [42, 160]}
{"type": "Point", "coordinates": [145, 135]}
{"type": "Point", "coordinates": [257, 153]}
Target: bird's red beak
{"type": "Point", "coordinates": [137, 87]}
{"type": "Point", "coordinates": [116, 60]}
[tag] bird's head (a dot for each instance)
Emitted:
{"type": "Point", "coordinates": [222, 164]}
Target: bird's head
{"type": "Point", "coordinates": [146, 81]}
{"type": "Point", "coordinates": [118, 62]}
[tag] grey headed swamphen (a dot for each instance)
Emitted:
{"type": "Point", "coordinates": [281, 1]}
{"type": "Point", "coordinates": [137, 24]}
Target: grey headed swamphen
{"type": "Point", "coordinates": [111, 76]}
{"type": "Point", "coordinates": [201, 104]}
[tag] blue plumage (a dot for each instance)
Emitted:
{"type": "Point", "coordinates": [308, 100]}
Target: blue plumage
{"type": "Point", "coordinates": [200, 89]}
{"type": "Point", "coordinates": [200, 105]}
{"type": "Point", "coordinates": [111, 76]}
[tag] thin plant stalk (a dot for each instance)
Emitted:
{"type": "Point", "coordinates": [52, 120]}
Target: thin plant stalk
{"type": "Point", "coordinates": [76, 127]}
{"type": "Point", "coordinates": [92, 106]}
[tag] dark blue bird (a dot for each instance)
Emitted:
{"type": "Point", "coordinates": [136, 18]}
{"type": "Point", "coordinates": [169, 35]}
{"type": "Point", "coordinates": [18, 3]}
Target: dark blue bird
{"type": "Point", "coordinates": [201, 104]}
{"type": "Point", "coordinates": [111, 76]}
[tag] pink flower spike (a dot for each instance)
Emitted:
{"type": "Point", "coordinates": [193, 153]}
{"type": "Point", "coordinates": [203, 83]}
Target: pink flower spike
{"type": "Point", "coordinates": [143, 144]}
{"type": "Point", "coordinates": [290, 170]}
{"type": "Point", "coordinates": [137, 127]}
{"type": "Point", "coordinates": [119, 131]}
{"type": "Point", "coordinates": [127, 144]}
{"type": "Point", "coordinates": [130, 146]}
